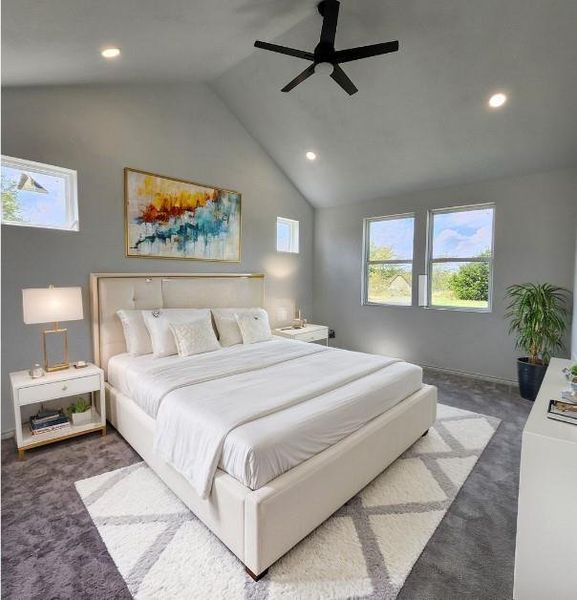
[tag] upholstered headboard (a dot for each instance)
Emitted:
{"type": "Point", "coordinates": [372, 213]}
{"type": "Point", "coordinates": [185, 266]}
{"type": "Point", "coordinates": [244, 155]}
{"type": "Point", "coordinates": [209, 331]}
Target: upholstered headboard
{"type": "Point", "coordinates": [113, 291]}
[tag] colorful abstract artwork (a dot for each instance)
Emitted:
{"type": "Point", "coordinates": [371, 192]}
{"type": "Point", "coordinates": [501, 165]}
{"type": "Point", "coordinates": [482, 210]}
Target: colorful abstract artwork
{"type": "Point", "coordinates": [171, 218]}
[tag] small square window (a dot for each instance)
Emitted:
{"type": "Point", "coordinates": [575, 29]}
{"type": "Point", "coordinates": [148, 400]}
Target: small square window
{"type": "Point", "coordinates": [287, 235]}
{"type": "Point", "coordinates": [38, 195]}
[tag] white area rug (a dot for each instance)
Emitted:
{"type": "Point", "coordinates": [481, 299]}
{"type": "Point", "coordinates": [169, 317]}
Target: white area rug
{"type": "Point", "coordinates": [365, 550]}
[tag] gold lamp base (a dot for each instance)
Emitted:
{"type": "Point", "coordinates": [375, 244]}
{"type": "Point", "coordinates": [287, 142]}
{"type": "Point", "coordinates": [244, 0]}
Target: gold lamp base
{"type": "Point", "coordinates": [56, 366]}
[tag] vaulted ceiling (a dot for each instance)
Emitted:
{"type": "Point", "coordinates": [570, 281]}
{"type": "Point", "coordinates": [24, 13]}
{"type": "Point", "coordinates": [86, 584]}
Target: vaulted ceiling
{"type": "Point", "coordinates": [420, 118]}
{"type": "Point", "coordinates": [57, 41]}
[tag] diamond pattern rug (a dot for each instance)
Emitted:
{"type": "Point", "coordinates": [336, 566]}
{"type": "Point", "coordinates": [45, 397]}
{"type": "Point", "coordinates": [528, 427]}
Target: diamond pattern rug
{"type": "Point", "coordinates": [365, 550]}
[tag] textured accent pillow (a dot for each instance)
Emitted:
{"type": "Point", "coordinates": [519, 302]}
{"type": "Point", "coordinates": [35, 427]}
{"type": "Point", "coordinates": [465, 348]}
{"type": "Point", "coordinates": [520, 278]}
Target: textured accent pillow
{"type": "Point", "coordinates": [227, 326]}
{"type": "Point", "coordinates": [158, 324]}
{"type": "Point", "coordinates": [136, 334]}
{"type": "Point", "coordinates": [254, 327]}
{"type": "Point", "coordinates": [195, 337]}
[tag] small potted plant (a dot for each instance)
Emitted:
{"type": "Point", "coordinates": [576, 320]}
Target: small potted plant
{"type": "Point", "coordinates": [538, 319]}
{"type": "Point", "coordinates": [80, 412]}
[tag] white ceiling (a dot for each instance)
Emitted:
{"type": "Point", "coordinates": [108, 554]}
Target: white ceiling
{"type": "Point", "coordinates": [58, 41]}
{"type": "Point", "coordinates": [419, 120]}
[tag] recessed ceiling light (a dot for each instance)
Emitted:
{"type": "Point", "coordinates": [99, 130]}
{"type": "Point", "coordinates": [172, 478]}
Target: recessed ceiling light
{"type": "Point", "coordinates": [310, 155]}
{"type": "Point", "coordinates": [110, 52]}
{"type": "Point", "coordinates": [497, 100]}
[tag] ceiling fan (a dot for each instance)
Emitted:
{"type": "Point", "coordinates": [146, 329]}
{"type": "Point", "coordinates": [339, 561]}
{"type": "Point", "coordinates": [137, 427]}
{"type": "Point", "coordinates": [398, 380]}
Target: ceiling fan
{"type": "Point", "coordinates": [325, 58]}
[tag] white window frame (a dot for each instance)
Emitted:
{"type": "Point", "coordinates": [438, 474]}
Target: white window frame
{"type": "Point", "coordinates": [366, 262]}
{"type": "Point", "coordinates": [70, 187]}
{"type": "Point", "coordinates": [294, 227]}
{"type": "Point", "coordinates": [431, 261]}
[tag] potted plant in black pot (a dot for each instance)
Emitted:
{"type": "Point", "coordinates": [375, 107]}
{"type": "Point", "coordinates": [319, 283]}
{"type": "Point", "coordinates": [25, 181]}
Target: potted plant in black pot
{"type": "Point", "coordinates": [538, 315]}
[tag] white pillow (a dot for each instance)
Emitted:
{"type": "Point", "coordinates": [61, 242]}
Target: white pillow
{"type": "Point", "coordinates": [195, 337]}
{"type": "Point", "coordinates": [136, 334]}
{"type": "Point", "coordinates": [254, 327]}
{"type": "Point", "coordinates": [158, 325]}
{"type": "Point", "coordinates": [227, 326]}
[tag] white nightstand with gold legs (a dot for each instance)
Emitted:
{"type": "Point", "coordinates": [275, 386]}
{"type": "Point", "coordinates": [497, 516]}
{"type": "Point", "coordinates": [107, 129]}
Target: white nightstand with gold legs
{"type": "Point", "coordinates": [50, 390]}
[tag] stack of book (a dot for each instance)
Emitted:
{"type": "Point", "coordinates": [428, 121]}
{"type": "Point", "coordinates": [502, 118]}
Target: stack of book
{"type": "Point", "coordinates": [562, 411]}
{"type": "Point", "coordinates": [48, 420]}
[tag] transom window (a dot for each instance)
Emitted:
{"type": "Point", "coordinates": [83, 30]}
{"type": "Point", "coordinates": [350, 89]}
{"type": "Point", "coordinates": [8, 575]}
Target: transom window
{"type": "Point", "coordinates": [287, 235]}
{"type": "Point", "coordinates": [38, 195]}
{"type": "Point", "coordinates": [460, 262]}
{"type": "Point", "coordinates": [388, 269]}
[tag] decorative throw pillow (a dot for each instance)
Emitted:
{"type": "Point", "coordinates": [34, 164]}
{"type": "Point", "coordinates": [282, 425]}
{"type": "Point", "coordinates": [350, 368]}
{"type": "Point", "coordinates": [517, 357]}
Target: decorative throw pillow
{"type": "Point", "coordinates": [136, 334]}
{"type": "Point", "coordinates": [195, 337]}
{"type": "Point", "coordinates": [254, 327]}
{"type": "Point", "coordinates": [227, 326]}
{"type": "Point", "coordinates": [158, 324]}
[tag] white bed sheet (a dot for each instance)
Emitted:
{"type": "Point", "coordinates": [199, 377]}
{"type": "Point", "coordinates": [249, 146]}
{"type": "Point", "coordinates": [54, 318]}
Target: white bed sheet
{"type": "Point", "coordinates": [260, 450]}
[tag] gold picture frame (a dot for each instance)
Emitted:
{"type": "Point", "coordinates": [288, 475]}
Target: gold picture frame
{"type": "Point", "coordinates": [170, 218]}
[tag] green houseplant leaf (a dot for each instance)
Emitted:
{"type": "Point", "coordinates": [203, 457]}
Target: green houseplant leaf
{"type": "Point", "coordinates": [538, 317]}
{"type": "Point", "coordinates": [79, 406]}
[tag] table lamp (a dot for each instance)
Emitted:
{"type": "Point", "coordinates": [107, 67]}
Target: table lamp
{"type": "Point", "coordinates": [53, 305]}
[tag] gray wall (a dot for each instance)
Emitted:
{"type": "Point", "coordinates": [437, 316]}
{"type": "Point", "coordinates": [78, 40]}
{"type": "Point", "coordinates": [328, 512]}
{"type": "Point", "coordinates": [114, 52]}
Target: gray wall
{"type": "Point", "coordinates": [183, 131]}
{"type": "Point", "coordinates": [534, 241]}
{"type": "Point", "coordinates": [574, 334]}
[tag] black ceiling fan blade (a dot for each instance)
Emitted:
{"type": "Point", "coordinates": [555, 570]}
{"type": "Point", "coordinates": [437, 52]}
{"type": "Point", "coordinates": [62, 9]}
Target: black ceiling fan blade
{"type": "Point", "coordinates": [341, 56]}
{"type": "Point", "coordinates": [299, 79]}
{"type": "Point", "coordinates": [329, 9]}
{"type": "Point", "coordinates": [342, 79]}
{"type": "Point", "coordinates": [284, 50]}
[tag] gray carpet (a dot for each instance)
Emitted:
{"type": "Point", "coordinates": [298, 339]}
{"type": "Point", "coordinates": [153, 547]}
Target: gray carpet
{"type": "Point", "coordinates": [51, 549]}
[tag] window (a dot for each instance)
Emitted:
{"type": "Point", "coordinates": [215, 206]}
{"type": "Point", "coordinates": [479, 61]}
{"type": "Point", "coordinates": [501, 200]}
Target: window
{"type": "Point", "coordinates": [287, 235]}
{"type": "Point", "coordinates": [388, 272]}
{"type": "Point", "coordinates": [461, 258]}
{"type": "Point", "coordinates": [37, 195]}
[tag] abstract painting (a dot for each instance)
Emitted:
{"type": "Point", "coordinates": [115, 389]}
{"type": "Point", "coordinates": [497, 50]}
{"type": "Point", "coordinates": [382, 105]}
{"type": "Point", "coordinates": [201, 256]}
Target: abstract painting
{"type": "Point", "coordinates": [172, 218]}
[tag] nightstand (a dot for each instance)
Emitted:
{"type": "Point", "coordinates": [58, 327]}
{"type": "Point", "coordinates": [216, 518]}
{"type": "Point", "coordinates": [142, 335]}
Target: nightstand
{"type": "Point", "coordinates": [309, 333]}
{"type": "Point", "coordinates": [55, 388]}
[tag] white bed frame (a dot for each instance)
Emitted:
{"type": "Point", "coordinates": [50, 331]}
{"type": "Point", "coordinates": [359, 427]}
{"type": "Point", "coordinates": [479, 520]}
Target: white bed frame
{"type": "Point", "coordinates": [258, 526]}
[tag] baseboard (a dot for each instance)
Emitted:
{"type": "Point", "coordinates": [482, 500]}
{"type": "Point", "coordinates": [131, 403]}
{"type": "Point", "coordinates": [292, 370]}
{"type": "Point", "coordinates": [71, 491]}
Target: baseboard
{"type": "Point", "coordinates": [479, 376]}
{"type": "Point", "coordinates": [6, 435]}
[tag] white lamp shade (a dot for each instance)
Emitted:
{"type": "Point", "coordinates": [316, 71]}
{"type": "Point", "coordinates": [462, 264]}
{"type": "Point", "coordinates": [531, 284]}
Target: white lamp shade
{"type": "Point", "coordinates": [52, 304]}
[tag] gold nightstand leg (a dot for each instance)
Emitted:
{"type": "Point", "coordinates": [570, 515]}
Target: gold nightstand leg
{"type": "Point", "coordinates": [104, 431]}
{"type": "Point", "coordinates": [21, 453]}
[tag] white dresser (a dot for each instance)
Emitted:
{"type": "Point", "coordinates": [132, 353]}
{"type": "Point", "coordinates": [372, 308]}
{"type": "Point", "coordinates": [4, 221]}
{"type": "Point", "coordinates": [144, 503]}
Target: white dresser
{"type": "Point", "coordinates": [546, 551]}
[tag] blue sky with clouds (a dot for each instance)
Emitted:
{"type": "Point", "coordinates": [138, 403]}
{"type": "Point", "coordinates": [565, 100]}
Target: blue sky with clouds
{"type": "Point", "coordinates": [396, 234]}
{"type": "Point", "coordinates": [41, 209]}
{"type": "Point", "coordinates": [462, 234]}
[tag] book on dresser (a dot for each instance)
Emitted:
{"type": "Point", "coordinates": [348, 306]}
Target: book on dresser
{"type": "Point", "coordinates": [562, 411]}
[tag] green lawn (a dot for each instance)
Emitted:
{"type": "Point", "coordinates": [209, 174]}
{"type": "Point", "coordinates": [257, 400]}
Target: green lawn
{"type": "Point", "coordinates": [388, 299]}
{"type": "Point", "coordinates": [440, 299]}
{"type": "Point", "coordinates": [448, 299]}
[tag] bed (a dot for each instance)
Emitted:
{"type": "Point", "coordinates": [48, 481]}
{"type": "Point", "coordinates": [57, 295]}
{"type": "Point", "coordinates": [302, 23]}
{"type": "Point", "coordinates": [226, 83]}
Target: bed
{"type": "Point", "coordinates": [263, 442]}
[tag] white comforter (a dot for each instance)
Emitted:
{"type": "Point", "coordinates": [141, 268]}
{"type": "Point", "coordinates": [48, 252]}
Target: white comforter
{"type": "Point", "coordinates": [199, 401]}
